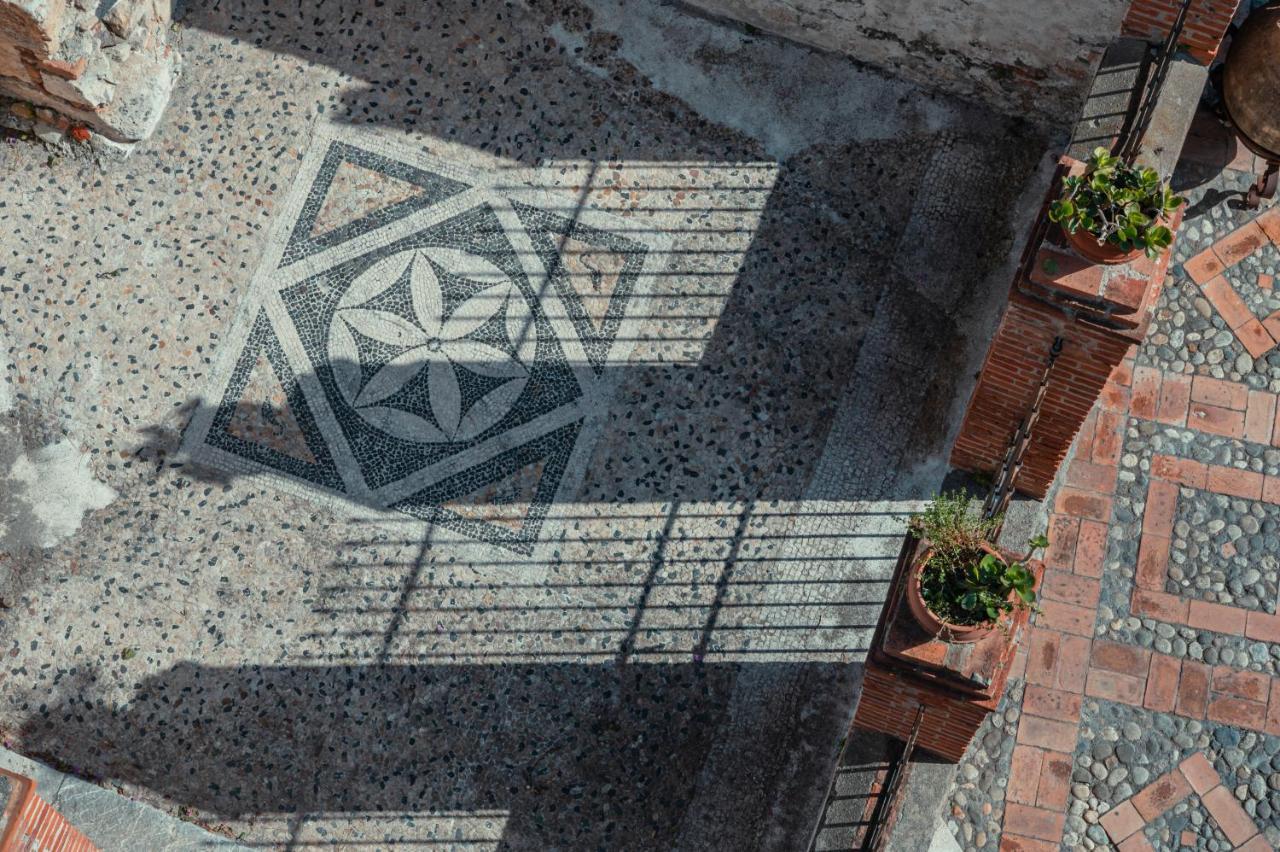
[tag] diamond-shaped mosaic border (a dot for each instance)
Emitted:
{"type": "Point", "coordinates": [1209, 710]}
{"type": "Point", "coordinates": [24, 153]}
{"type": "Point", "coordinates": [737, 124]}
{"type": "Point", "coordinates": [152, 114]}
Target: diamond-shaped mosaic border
{"type": "Point", "coordinates": [555, 442]}
{"type": "Point", "coordinates": [1209, 268]}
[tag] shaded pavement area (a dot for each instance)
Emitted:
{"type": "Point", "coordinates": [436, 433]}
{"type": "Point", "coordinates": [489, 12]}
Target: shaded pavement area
{"type": "Point", "coordinates": [526, 477]}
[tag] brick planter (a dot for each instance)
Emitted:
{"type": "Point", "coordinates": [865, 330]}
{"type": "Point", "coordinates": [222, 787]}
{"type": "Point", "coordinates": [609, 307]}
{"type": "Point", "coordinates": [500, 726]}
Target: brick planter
{"type": "Point", "coordinates": [30, 823]}
{"type": "Point", "coordinates": [956, 683]}
{"type": "Point", "coordinates": [1101, 312]}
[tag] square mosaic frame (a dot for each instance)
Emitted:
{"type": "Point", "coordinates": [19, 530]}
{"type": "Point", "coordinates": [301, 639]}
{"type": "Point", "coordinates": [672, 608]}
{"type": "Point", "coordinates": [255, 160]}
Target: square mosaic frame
{"type": "Point", "coordinates": [505, 449]}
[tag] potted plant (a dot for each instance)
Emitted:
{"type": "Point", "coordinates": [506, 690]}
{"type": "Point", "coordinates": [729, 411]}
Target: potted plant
{"type": "Point", "coordinates": [960, 587]}
{"type": "Point", "coordinates": [1115, 211]}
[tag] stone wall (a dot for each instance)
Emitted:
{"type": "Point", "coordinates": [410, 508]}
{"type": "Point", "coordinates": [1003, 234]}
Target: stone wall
{"type": "Point", "coordinates": [1024, 59]}
{"type": "Point", "coordinates": [88, 66]}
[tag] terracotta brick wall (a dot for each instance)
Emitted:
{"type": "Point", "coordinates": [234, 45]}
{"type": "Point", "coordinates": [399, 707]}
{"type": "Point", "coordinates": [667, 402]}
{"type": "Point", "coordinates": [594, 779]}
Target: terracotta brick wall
{"type": "Point", "coordinates": [1207, 22]}
{"type": "Point", "coordinates": [1010, 377]}
{"type": "Point", "coordinates": [889, 702]}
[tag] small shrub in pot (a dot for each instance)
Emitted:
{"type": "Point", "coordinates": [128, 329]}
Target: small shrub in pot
{"type": "Point", "coordinates": [966, 585]}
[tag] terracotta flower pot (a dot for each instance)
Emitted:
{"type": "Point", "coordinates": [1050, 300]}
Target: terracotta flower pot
{"type": "Point", "coordinates": [1107, 253]}
{"type": "Point", "coordinates": [932, 624]}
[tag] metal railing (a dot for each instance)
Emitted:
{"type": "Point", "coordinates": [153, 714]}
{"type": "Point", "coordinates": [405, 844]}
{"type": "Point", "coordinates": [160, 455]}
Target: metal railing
{"type": "Point", "coordinates": [1002, 486]}
{"type": "Point", "coordinates": [1131, 136]}
{"type": "Point", "coordinates": [886, 809]}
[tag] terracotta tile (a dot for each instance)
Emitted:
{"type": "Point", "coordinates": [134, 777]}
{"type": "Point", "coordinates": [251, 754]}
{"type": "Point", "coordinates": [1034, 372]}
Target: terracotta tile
{"type": "Point", "coordinates": [1188, 472]}
{"type": "Point", "coordinates": [1051, 703]}
{"type": "Point", "coordinates": [1161, 506]}
{"type": "Point", "coordinates": [1108, 438]}
{"type": "Point", "coordinates": [1218, 392]}
{"type": "Point", "coordinates": [1193, 689]}
{"type": "Point", "coordinates": [1083, 504]}
{"type": "Point", "coordinates": [1122, 821]}
{"type": "Point", "coordinates": [1234, 481]}
{"type": "Point", "coordinates": [1161, 605]}
{"type": "Point", "coordinates": [1271, 722]}
{"type": "Point", "coordinates": [1062, 533]}
{"type": "Point", "coordinates": [1055, 781]}
{"type": "Point", "coordinates": [1066, 618]}
{"type": "Point", "coordinates": [1017, 843]}
{"type": "Point", "coordinates": [1220, 618]}
{"type": "Point", "coordinates": [1271, 323]}
{"type": "Point", "coordinates": [1039, 823]}
{"type": "Point", "coordinates": [1153, 562]}
{"type": "Point", "coordinates": [1111, 686]}
{"type": "Point", "coordinates": [1162, 683]}
{"type": "Point", "coordinates": [1260, 417]}
{"type": "Point", "coordinates": [1229, 816]}
{"type": "Point", "coordinates": [1175, 396]}
{"type": "Point", "coordinates": [1270, 224]}
{"type": "Point", "coordinates": [1218, 421]}
{"type": "Point", "coordinates": [1257, 843]}
{"type": "Point", "coordinates": [1136, 843]}
{"type": "Point", "coordinates": [1145, 395]}
{"type": "Point", "coordinates": [1073, 664]}
{"type": "Point", "coordinates": [1227, 302]}
{"type": "Point", "coordinates": [1161, 794]}
{"type": "Point", "coordinates": [1118, 657]}
{"type": "Point", "coordinates": [1204, 266]}
{"type": "Point", "coordinates": [1042, 658]}
{"type": "Point", "coordinates": [1067, 272]}
{"type": "Point", "coordinates": [1091, 548]}
{"type": "Point", "coordinates": [1091, 476]}
{"type": "Point", "coordinates": [1240, 243]}
{"type": "Point", "coordinates": [1255, 337]}
{"type": "Point", "coordinates": [1200, 773]}
{"type": "Point", "coordinates": [1262, 626]}
{"type": "Point", "coordinates": [1271, 489]}
{"type": "Point", "coordinates": [1024, 774]}
{"type": "Point", "coordinates": [1048, 734]}
{"type": "Point", "coordinates": [1237, 711]}
{"type": "Point", "coordinates": [1240, 683]}
{"type": "Point", "coordinates": [1266, 282]}
{"type": "Point", "coordinates": [1070, 588]}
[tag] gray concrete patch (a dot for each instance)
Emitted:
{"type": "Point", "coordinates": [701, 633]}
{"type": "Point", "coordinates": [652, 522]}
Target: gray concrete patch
{"type": "Point", "coordinates": [113, 822]}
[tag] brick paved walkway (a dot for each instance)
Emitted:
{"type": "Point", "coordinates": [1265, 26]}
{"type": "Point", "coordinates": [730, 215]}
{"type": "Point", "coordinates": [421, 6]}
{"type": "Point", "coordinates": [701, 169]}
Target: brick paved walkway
{"type": "Point", "coordinates": [1152, 704]}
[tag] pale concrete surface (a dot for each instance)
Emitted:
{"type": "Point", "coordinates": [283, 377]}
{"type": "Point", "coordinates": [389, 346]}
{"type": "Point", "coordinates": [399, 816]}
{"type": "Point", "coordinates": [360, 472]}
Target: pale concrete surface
{"type": "Point", "coordinates": [999, 52]}
{"type": "Point", "coordinates": [676, 662]}
{"type": "Point", "coordinates": [113, 822]}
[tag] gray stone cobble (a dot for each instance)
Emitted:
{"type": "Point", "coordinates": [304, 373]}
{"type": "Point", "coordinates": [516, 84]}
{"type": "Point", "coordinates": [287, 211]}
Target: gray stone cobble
{"type": "Point", "coordinates": [1223, 551]}
{"type": "Point", "coordinates": [1122, 749]}
{"type": "Point", "coordinates": [976, 804]}
{"type": "Point", "coordinates": [1115, 620]}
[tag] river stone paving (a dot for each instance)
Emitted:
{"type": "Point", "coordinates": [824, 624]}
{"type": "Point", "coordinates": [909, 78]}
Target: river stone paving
{"type": "Point", "coordinates": [1143, 439]}
{"type": "Point", "coordinates": [976, 803]}
{"type": "Point", "coordinates": [1187, 825]}
{"type": "Point", "coordinates": [1223, 550]}
{"type": "Point", "coordinates": [1123, 748]}
{"type": "Point", "coordinates": [1187, 335]}
{"type": "Point", "coordinates": [667, 657]}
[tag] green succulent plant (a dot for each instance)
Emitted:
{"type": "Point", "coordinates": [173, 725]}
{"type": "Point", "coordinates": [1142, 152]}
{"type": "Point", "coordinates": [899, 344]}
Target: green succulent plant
{"type": "Point", "coordinates": [961, 583]}
{"type": "Point", "coordinates": [1117, 203]}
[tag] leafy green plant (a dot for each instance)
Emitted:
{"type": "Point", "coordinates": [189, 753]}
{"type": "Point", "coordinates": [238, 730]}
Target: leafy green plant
{"type": "Point", "coordinates": [1117, 203]}
{"type": "Point", "coordinates": [962, 583]}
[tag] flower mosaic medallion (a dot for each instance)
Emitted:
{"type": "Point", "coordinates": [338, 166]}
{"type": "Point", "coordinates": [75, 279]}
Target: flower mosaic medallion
{"type": "Point", "coordinates": [425, 347]}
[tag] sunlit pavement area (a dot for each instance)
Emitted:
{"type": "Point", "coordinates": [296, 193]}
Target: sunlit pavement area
{"type": "Point", "coordinates": [496, 427]}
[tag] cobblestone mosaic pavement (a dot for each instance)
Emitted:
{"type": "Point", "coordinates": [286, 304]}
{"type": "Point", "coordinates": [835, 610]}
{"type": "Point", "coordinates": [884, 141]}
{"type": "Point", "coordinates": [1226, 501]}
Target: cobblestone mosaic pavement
{"type": "Point", "coordinates": [1148, 711]}
{"type": "Point", "coordinates": [667, 657]}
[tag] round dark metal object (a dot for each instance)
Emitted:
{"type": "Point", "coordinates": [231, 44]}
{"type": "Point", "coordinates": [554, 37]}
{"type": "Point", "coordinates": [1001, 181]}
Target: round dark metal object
{"type": "Point", "coordinates": [1251, 91]}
